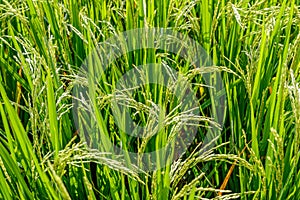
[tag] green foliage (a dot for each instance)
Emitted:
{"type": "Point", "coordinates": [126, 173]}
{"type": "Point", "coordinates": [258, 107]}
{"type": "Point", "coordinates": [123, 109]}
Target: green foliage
{"type": "Point", "coordinates": [255, 44]}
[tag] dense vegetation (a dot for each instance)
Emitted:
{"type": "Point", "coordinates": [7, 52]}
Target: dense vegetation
{"type": "Point", "coordinates": [254, 45]}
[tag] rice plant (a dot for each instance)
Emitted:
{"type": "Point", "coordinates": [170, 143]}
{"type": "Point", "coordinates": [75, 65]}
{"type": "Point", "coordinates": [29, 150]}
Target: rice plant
{"type": "Point", "coordinates": [69, 128]}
